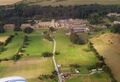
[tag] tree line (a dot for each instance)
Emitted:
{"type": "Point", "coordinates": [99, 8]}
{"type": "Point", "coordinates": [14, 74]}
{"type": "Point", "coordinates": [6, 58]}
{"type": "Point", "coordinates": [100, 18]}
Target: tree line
{"type": "Point", "coordinates": [21, 12]}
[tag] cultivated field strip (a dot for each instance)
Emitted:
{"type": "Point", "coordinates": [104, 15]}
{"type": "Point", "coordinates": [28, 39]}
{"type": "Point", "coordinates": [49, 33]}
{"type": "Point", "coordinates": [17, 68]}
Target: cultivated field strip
{"type": "Point", "coordinates": [12, 48]}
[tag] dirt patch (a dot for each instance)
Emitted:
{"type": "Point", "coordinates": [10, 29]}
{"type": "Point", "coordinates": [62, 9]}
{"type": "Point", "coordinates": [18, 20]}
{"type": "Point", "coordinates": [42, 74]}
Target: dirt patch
{"type": "Point", "coordinates": [108, 45]}
{"type": "Point", "coordinates": [3, 38]}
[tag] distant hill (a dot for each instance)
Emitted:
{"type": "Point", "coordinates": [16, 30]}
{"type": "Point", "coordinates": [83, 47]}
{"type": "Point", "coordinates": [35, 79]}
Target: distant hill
{"type": "Point", "coordinates": [8, 2]}
{"type": "Point", "coordinates": [69, 2]}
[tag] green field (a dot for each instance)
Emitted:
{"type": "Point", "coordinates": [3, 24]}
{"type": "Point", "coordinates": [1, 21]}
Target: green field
{"type": "Point", "coordinates": [93, 78]}
{"type": "Point", "coordinates": [71, 53]}
{"type": "Point", "coordinates": [33, 65]}
{"type": "Point", "coordinates": [29, 68]}
{"type": "Point", "coordinates": [69, 2]}
{"type": "Point", "coordinates": [37, 44]}
{"type": "Point", "coordinates": [12, 48]}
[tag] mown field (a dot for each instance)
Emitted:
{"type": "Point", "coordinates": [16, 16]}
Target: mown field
{"type": "Point", "coordinates": [70, 2]}
{"type": "Point", "coordinates": [33, 65]}
{"type": "Point", "coordinates": [108, 45]}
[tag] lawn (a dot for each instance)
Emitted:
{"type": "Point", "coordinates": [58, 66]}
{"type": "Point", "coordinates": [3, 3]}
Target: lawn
{"type": "Point", "coordinates": [12, 48]}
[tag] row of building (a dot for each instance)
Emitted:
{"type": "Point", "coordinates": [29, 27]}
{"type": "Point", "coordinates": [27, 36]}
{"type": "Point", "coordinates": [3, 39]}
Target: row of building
{"type": "Point", "coordinates": [76, 24]}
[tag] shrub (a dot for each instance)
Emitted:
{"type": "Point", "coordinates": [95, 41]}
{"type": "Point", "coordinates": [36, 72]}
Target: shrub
{"type": "Point", "coordinates": [78, 38]}
{"type": "Point", "coordinates": [75, 66]}
{"type": "Point", "coordinates": [57, 53]}
{"type": "Point", "coordinates": [28, 30]}
{"type": "Point", "coordinates": [47, 54]}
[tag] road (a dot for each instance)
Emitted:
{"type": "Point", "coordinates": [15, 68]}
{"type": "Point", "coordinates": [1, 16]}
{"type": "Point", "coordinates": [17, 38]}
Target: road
{"type": "Point", "coordinates": [55, 64]}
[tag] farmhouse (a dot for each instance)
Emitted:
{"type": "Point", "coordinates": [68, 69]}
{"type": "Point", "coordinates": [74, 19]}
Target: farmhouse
{"type": "Point", "coordinates": [9, 26]}
{"type": "Point", "coordinates": [72, 23]}
{"type": "Point", "coordinates": [45, 24]}
{"type": "Point", "coordinates": [116, 22]}
{"type": "Point", "coordinates": [25, 25]}
{"type": "Point", "coordinates": [77, 30]}
{"type": "Point", "coordinates": [113, 14]}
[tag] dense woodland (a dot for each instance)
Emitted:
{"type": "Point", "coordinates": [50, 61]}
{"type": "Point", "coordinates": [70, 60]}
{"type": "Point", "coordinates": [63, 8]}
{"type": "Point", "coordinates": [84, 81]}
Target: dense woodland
{"type": "Point", "coordinates": [19, 13]}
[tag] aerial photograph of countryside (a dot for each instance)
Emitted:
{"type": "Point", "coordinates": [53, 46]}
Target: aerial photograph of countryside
{"type": "Point", "coordinates": [59, 40]}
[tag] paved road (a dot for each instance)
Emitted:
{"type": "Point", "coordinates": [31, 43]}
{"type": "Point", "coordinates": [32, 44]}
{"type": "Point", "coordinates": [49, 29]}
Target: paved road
{"type": "Point", "coordinates": [55, 64]}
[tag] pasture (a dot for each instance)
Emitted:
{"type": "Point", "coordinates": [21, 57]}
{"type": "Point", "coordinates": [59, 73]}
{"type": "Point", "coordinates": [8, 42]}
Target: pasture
{"type": "Point", "coordinates": [77, 54]}
{"type": "Point", "coordinates": [108, 45]}
{"type": "Point", "coordinates": [37, 44]}
{"type": "Point", "coordinates": [12, 48]}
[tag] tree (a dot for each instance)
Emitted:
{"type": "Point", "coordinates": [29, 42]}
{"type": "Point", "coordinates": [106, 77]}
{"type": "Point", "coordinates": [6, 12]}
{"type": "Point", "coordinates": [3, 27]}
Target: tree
{"type": "Point", "coordinates": [47, 54]}
{"type": "Point", "coordinates": [17, 27]}
{"type": "Point", "coordinates": [47, 36]}
{"type": "Point", "coordinates": [78, 38]}
{"type": "Point", "coordinates": [2, 30]}
{"type": "Point", "coordinates": [95, 18]}
{"type": "Point", "coordinates": [1, 47]}
{"type": "Point", "coordinates": [19, 8]}
{"type": "Point", "coordinates": [52, 29]}
{"type": "Point", "coordinates": [28, 30]}
{"type": "Point", "coordinates": [116, 28]}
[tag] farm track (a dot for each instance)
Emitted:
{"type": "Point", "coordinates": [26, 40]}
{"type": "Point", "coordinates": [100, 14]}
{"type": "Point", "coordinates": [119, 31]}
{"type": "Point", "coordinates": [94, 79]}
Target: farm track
{"type": "Point", "coordinates": [54, 61]}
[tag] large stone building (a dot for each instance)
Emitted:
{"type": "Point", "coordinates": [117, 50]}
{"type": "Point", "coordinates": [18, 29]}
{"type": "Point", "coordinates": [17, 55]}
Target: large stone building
{"type": "Point", "coordinates": [9, 26]}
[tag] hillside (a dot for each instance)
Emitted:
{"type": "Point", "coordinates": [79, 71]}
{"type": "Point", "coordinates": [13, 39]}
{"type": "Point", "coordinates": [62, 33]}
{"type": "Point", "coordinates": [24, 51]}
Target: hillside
{"type": "Point", "coordinates": [108, 45]}
{"type": "Point", "coordinates": [59, 2]}
{"type": "Point", "coordinates": [70, 2]}
{"type": "Point", "coordinates": [8, 2]}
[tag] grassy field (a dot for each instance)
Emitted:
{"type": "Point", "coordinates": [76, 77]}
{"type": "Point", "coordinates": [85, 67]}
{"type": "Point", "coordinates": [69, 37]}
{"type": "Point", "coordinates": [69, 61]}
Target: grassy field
{"type": "Point", "coordinates": [32, 66]}
{"type": "Point", "coordinates": [37, 44]}
{"type": "Point", "coordinates": [93, 78]}
{"type": "Point", "coordinates": [77, 54]}
{"type": "Point", "coordinates": [70, 2]}
{"type": "Point", "coordinates": [108, 45]}
{"type": "Point", "coordinates": [29, 68]}
{"type": "Point", "coordinates": [12, 48]}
